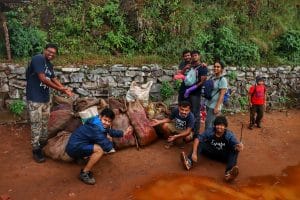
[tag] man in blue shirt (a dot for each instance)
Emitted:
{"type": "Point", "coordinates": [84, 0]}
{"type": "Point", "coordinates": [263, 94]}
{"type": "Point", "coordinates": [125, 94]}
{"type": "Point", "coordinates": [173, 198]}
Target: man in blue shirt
{"type": "Point", "coordinates": [40, 78]}
{"type": "Point", "coordinates": [217, 143]}
{"type": "Point", "coordinates": [178, 126]}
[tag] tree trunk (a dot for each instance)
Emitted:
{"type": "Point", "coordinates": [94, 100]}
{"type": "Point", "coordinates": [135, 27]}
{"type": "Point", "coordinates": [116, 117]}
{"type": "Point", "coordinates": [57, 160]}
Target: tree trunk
{"type": "Point", "coordinates": [6, 35]}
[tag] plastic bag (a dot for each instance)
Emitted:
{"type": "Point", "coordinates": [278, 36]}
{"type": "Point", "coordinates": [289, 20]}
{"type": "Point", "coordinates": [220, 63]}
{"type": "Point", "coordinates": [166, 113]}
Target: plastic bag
{"type": "Point", "coordinates": [139, 92]}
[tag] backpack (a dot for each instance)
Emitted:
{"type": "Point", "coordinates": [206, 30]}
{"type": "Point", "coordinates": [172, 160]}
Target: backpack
{"type": "Point", "coordinates": [254, 91]}
{"type": "Point", "coordinates": [191, 77]}
{"type": "Point", "coordinates": [208, 87]}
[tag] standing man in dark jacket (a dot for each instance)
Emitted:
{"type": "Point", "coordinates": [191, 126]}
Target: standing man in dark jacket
{"type": "Point", "coordinates": [217, 143]}
{"type": "Point", "coordinates": [40, 78]}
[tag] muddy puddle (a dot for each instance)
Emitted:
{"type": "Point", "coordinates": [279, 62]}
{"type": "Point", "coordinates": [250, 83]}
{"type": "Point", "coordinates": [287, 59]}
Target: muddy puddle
{"type": "Point", "coordinates": [284, 187]}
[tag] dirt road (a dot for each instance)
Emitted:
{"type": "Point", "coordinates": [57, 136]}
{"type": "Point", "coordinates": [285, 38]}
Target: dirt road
{"type": "Point", "coordinates": [268, 151]}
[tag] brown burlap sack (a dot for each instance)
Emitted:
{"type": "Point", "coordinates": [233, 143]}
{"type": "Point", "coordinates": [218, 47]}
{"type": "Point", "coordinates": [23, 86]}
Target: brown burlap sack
{"type": "Point", "coordinates": [56, 146]}
{"type": "Point", "coordinates": [117, 104]}
{"type": "Point", "coordinates": [73, 124]}
{"type": "Point", "coordinates": [156, 110]}
{"type": "Point", "coordinates": [83, 103]}
{"type": "Point", "coordinates": [144, 132]}
{"type": "Point", "coordinates": [58, 121]}
{"type": "Point", "coordinates": [121, 122]}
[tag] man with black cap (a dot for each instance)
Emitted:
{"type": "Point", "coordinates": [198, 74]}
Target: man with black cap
{"type": "Point", "coordinates": [257, 102]}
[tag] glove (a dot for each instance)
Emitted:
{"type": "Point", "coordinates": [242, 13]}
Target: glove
{"type": "Point", "coordinates": [189, 90]}
{"type": "Point", "coordinates": [179, 77]}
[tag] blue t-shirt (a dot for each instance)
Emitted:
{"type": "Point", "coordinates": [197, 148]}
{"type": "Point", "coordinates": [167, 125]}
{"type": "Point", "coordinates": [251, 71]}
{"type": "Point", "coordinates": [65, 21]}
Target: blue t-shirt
{"type": "Point", "coordinates": [219, 83]}
{"type": "Point", "coordinates": [182, 123]}
{"type": "Point", "coordinates": [36, 91]}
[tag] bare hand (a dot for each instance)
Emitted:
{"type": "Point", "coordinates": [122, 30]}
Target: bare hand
{"type": "Point", "coordinates": [239, 147]}
{"type": "Point", "coordinates": [194, 157]}
{"type": "Point", "coordinates": [172, 138]}
{"type": "Point", "coordinates": [154, 122]}
{"type": "Point", "coordinates": [216, 111]}
{"type": "Point", "coordinates": [128, 131]}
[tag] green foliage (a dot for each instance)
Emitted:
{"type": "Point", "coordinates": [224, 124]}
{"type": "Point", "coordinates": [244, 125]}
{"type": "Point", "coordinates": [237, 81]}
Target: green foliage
{"type": "Point", "coordinates": [166, 90]}
{"type": "Point", "coordinates": [24, 40]}
{"type": "Point", "coordinates": [177, 84]}
{"type": "Point", "coordinates": [234, 51]}
{"type": "Point", "coordinates": [17, 107]}
{"type": "Point", "coordinates": [289, 45]}
{"type": "Point", "coordinates": [241, 33]}
{"type": "Point", "coordinates": [244, 102]}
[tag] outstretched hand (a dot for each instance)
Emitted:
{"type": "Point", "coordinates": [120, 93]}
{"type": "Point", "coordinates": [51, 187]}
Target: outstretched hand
{"type": "Point", "coordinates": [154, 122]}
{"type": "Point", "coordinates": [128, 131]}
{"type": "Point", "coordinates": [239, 147]}
{"type": "Point", "coordinates": [68, 92]}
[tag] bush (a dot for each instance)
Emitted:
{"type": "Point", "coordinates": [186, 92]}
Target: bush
{"type": "Point", "coordinates": [24, 41]}
{"type": "Point", "coordinates": [289, 45]}
{"type": "Point", "coordinates": [166, 90]}
{"type": "Point", "coordinates": [233, 51]}
{"type": "Point", "coordinates": [17, 107]}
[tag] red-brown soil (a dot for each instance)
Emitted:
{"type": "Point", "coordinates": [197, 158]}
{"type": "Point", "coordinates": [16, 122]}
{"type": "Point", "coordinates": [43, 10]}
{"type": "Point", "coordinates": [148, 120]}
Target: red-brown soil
{"type": "Point", "coordinates": [268, 151]}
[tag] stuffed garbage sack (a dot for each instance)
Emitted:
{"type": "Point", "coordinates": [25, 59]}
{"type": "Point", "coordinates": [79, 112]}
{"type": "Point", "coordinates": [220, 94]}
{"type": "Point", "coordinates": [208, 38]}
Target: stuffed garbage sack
{"type": "Point", "coordinates": [144, 132]}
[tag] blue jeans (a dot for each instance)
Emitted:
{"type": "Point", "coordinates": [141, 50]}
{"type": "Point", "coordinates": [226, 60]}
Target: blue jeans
{"type": "Point", "coordinates": [210, 118]}
{"type": "Point", "coordinates": [195, 102]}
{"type": "Point", "coordinates": [228, 157]}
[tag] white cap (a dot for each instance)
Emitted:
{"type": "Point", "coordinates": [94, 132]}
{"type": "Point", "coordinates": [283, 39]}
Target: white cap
{"type": "Point", "coordinates": [88, 113]}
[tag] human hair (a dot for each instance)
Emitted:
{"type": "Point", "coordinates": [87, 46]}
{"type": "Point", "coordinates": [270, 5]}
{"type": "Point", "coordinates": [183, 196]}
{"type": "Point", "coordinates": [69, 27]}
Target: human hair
{"type": "Point", "coordinates": [221, 120]}
{"type": "Point", "coordinates": [185, 52]}
{"type": "Point", "coordinates": [221, 62]}
{"type": "Point", "coordinates": [195, 52]}
{"type": "Point", "coordinates": [184, 104]}
{"type": "Point", "coordinates": [107, 112]}
{"type": "Point", "coordinates": [51, 45]}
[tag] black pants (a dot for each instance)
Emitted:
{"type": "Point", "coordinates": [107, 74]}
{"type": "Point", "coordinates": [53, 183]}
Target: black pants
{"type": "Point", "coordinates": [259, 111]}
{"type": "Point", "coordinates": [195, 102]}
{"type": "Point", "coordinates": [228, 157]}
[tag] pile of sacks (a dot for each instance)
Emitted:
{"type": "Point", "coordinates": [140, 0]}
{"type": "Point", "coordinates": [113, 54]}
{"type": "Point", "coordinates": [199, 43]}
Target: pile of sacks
{"type": "Point", "coordinates": [67, 115]}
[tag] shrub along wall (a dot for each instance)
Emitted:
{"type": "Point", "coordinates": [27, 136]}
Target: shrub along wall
{"type": "Point", "coordinates": [104, 81]}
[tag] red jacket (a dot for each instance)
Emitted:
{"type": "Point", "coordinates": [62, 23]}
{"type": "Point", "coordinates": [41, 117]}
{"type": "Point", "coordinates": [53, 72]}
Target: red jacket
{"type": "Point", "coordinates": [257, 93]}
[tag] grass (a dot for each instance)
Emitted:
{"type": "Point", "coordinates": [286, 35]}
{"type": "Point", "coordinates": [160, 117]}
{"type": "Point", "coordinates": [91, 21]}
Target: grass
{"type": "Point", "coordinates": [93, 59]}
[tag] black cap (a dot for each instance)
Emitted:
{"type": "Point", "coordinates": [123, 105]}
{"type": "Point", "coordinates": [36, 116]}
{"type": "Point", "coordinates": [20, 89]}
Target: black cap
{"type": "Point", "coordinates": [259, 78]}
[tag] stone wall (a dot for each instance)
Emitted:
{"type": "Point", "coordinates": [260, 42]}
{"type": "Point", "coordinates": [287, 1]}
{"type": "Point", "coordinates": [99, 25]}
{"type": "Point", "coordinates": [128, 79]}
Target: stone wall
{"type": "Point", "coordinates": [104, 81]}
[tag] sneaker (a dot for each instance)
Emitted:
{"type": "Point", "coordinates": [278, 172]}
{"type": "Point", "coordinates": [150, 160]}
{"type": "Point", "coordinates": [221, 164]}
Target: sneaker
{"type": "Point", "coordinates": [38, 155]}
{"type": "Point", "coordinates": [187, 163]}
{"type": "Point", "coordinates": [258, 125]}
{"type": "Point", "coordinates": [232, 174]}
{"type": "Point", "coordinates": [87, 177]}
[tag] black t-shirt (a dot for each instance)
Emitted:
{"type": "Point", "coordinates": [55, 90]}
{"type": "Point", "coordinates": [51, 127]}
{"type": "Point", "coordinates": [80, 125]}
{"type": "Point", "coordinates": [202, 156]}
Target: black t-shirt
{"type": "Point", "coordinates": [182, 123]}
{"type": "Point", "coordinates": [36, 91]}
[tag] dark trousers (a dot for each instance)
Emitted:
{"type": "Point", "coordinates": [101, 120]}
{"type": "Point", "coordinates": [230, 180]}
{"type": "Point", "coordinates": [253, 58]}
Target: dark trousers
{"type": "Point", "coordinates": [228, 157]}
{"type": "Point", "coordinates": [259, 111]}
{"type": "Point", "coordinates": [195, 102]}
